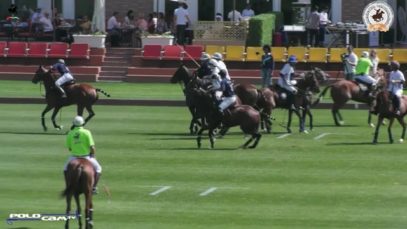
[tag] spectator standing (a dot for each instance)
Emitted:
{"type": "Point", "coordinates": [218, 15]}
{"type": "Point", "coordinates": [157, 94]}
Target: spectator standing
{"type": "Point", "coordinates": [312, 27]}
{"type": "Point", "coordinates": [85, 25]}
{"type": "Point", "coordinates": [181, 19]}
{"type": "Point", "coordinates": [323, 22]}
{"type": "Point", "coordinates": [267, 66]}
{"type": "Point", "coordinates": [375, 61]}
{"type": "Point", "coordinates": [129, 20]}
{"type": "Point", "coordinates": [350, 60]}
{"type": "Point", "coordinates": [235, 16]}
{"type": "Point", "coordinates": [396, 81]}
{"type": "Point", "coordinates": [247, 12]}
{"type": "Point", "coordinates": [113, 28]}
{"type": "Point", "coordinates": [46, 23]}
{"type": "Point", "coordinates": [141, 23]}
{"type": "Point", "coordinates": [218, 17]}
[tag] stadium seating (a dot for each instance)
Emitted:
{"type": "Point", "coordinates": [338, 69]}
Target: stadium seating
{"type": "Point", "coordinates": [78, 50]}
{"type": "Point", "coordinates": [3, 46]}
{"type": "Point", "coordinates": [172, 52]}
{"type": "Point", "coordinates": [317, 55]}
{"type": "Point", "coordinates": [151, 52]}
{"type": "Point", "coordinates": [299, 52]}
{"type": "Point", "coordinates": [253, 53]}
{"type": "Point", "coordinates": [16, 49]}
{"type": "Point", "coordinates": [234, 53]}
{"type": "Point", "coordinates": [37, 49]}
{"type": "Point", "coordinates": [279, 54]}
{"type": "Point", "coordinates": [399, 55]}
{"type": "Point", "coordinates": [193, 52]}
{"type": "Point", "coordinates": [58, 50]}
{"type": "Point", "coordinates": [334, 55]}
{"type": "Point", "coordinates": [211, 49]}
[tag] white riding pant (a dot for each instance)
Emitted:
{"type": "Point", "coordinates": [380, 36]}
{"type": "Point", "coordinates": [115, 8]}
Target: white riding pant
{"type": "Point", "coordinates": [63, 79]}
{"type": "Point", "coordinates": [92, 160]}
{"type": "Point", "coordinates": [226, 102]}
{"type": "Point", "coordinates": [367, 79]}
{"type": "Point", "coordinates": [289, 87]}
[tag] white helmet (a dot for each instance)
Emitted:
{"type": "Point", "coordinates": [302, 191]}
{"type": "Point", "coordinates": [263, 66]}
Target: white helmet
{"type": "Point", "coordinates": [78, 121]}
{"type": "Point", "coordinates": [217, 56]}
{"type": "Point", "coordinates": [365, 54]}
{"type": "Point", "coordinates": [212, 63]}
{"type": "Point", "coordinates": [62, 61]}
{"type": "Point", "coordinates": [205, 56]}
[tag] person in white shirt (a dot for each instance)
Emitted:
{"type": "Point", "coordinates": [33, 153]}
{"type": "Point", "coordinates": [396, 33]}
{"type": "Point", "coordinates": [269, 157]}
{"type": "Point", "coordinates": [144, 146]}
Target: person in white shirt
{"type": "Point", "coordinates": [113, 28]}
{"type": "Point", "coordinates": [396, 81]}
{"type": "Point", "coordinates": [221, 65]}
{"type": "Point", "coordinates": [323, 22]}
{"type": "Point", "coordinates": [247, 12]}
{"type": "Point", "coordinates": [46, 23]}
{"type": "Point", "coordinates": [285, 80]}
{"type": "Point", "coordinates": [350, 60]}
{"type": "Point", "coordinates": [235, 16]}
{"type": "Point", "coordinates": [375, 61]}
{"type": "Point", "coordinates": [181, 20]}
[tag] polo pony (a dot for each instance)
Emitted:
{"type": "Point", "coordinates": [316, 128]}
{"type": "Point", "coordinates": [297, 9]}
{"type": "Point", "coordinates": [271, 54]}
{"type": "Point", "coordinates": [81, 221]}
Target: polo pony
{"type": "Point", "coordinates": [83, 95]}
{"type": "Point", "coordinates": [79, 180]}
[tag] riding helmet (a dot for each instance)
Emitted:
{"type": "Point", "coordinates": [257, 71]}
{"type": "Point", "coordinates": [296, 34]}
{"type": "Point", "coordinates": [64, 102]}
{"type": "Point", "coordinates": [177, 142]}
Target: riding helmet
{"type": "Point", "coordinates": [292, 59]}
{"type": "Point", "coordinates": [395, 64]}
{"type": "Point", "coordinates": [62, 61]}
{"type": "Point", "coordinates": [78, 121]}
{"type": "Point", "coordinates": [365, 54]}
{"type": "Point", "coordinates": [217, 56]}
{"type": "Point", "coordinates": [205, 56]}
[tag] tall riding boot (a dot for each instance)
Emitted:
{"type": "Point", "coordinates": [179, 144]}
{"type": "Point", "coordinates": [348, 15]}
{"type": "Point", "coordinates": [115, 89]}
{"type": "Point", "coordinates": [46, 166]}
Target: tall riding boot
{"type": "Point", "coordinates": [63, 94]}
{"type": "Point", "coordinates": [97, 177]}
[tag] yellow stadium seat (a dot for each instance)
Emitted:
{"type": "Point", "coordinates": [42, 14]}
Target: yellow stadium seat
{"type": "Point", "coordinates": [334, 55]}
{"type": "Point", "coordinates": [399, 55]}
{"type": "Point", "coordinates": [279, 54]}
{"type": "Point", "coordinates": [211, 49]}
{"type": "Point", "coordinates": [299, 52]}
{"type": "Point", "coordinates": [234, 52]}
{"type": "Point", "coordinates": [317, 55]}
{"type": "Point", "coordinates": [254, 53]}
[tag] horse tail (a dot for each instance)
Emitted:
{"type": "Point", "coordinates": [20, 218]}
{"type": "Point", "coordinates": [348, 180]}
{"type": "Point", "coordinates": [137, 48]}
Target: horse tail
{"type": "Point", "coordinates": [103, 92]}
{"type": "Point", "coordinates": [72, 181]}
{"type": "Point", "coordinates": [321, 95]}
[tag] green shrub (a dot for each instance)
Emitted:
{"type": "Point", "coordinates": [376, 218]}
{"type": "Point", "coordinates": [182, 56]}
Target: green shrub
{"type": "Point", "coordinates": [261, 29]}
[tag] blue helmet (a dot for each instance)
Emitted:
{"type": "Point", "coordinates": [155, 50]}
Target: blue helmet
{"type": "Point", "coordinates": [292, 59]}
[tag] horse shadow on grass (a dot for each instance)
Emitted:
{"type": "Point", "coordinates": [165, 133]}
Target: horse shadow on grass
{"type": "Point", "coordinates": [32, 133]}
{"type": "Point", "coordinates": [350, 144]}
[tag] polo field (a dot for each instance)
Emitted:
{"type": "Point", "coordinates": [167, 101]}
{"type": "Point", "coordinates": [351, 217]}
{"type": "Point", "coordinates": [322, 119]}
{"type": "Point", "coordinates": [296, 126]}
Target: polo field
{"type": "Point", "coordinates": [154, 176]}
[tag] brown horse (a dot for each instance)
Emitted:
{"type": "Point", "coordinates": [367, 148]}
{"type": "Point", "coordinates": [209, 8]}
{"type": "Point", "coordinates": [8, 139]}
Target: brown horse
{"type": "Point", "coordinates": [80, 179]}
{"type": "Point", "coordinates": [84, 95]}
{"type": "Point", "coordinates": [384, 109]}
{"type": "Point", "coordinates": [244, 116]}
{"type": "Point", "coordinates": [344, 90]}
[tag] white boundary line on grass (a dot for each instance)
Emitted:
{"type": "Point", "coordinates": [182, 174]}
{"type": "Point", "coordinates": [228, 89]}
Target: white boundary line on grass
{"type": "Point", "coordinates": [283, 136]}
{"type": "Point", "coordinates": [209, 191]}
{"type": "Point", "coordinates": [158, 191]}
{"type": "Point", "coordinates": [321, 136]}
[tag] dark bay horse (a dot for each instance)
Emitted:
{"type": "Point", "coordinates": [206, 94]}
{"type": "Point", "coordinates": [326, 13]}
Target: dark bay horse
{"type": "Point", "coordinates": [266, 99]}
{"type": "Point", "coordinates": [384, 109]}
{"type": "Point", "coordinates": [344, 90]}
{"type": "Point", "coordinates": [80, 180]}
{"type": "Point", "coordinates": [244, 116]}
{"type": "Point", "coordinates": [83, 95]}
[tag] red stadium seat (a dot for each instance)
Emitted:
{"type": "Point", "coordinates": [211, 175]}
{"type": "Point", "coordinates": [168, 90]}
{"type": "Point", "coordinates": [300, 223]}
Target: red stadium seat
{"type": "Point", "coordinates": [37, 49]}
{"type": "Point", "coordinates": [172, 52]}
{"type": "Point", "coordinates": [58, 50]}
{"type": "Point", "coordinates": [193, 52]}
{"type": "Point", "coordinates": [79, 51]}
{"type": "Point", "coordinates": [3, 46]}
{"type": "Point", "coordinates": [17, 49]}
{"type": "Point", "coordinates": [151, 52]}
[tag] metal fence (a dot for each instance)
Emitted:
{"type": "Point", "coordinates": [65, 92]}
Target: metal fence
{"type": "Point", "coordinates": [220, 30]}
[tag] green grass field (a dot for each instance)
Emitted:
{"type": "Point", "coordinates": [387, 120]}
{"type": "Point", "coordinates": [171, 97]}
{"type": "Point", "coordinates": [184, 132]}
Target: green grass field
{"type": "Point", "coordinates": [337, 180]}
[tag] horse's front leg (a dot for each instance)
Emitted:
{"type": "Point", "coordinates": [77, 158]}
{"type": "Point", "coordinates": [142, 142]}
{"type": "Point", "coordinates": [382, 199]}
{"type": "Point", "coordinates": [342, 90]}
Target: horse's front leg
{"type": "Point", "coordinates": [300, 118]}
{"type": "Point", "coordinates": [389, 130]}
{"type": "Point", "coordinates": [47, 108]}
{"type": "Point", "coordinates": [199, 137]}
{"type": "Point", "coordinates": [290, 113]}
{"type": "Point", "coordinates": [311, 118]}
{"type": "Point", "coordinates": [89, 211]}
{"type": "Point", "coordinates": [376, 133]}
{"type": "Point", "coordinates": [403, 125]}
{"type": "Point", "coordinates": [54, 114]}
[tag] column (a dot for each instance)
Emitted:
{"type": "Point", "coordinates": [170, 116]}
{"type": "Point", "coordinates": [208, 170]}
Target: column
{"type": "Point", "coordinates": [68, 9]}
{"type": "Point", "coordinates": [219, 6]}
{"type": "Point", "coordinates": [277, 5]}
{"type": "Point", "coordinates": [336, 10]}
{"type": "Point", "coordinates": [45, 6]}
